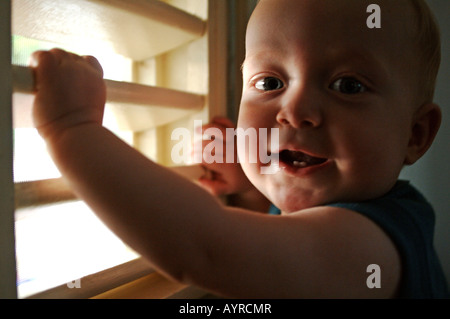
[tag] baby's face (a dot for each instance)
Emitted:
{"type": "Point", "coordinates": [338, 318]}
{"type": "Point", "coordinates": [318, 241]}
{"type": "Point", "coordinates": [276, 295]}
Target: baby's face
{"type": "Point", "coordinates": [338, 92]}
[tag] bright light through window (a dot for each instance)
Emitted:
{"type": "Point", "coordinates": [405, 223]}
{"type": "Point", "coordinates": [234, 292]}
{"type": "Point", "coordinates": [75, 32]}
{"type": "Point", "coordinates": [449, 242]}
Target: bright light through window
{"type": "Point", "coordinates": [58, 243]}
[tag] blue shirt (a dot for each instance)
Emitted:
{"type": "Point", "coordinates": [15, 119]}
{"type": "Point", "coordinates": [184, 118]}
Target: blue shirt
{"type": "Point", "coordinates": [408, 219]}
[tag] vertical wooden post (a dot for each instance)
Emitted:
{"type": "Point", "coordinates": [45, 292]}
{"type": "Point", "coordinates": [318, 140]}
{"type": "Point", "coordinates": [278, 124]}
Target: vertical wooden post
{"type": "Point", "coordinates": [218, 57]}
{"type": "Point", "coordinates": [227, 24]}
{"type": "Point", "coordinates": [240, 11]}
{"type": "Point", "coordinates": [7, 240]}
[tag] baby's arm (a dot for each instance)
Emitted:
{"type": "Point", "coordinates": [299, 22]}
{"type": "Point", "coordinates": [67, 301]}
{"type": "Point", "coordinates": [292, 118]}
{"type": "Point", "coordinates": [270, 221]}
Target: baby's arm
{"type": "Point", "coordinates": [146, 205]}
{"type": "Point", "coordinates": [184, 231]}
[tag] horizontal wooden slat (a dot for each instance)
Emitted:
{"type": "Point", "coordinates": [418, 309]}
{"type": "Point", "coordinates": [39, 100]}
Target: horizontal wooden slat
{"type": "Point", "coordinates": [51, 191]}
{"type": "Point", "coordinates": [137, 107]}
{"type": "Point", "coordinates": [37, 193]}
{"type": "Point", "coordinates": [23, 79]}
{"type": "Point", "coordinates": [132, 280]}
{"type": "Point", "coordinates": [100, 282]}
{"type": "Point", "coordinates": [153, 286]}
{"type": "Point", "coordinates": [123, 92]}
{"type": "Point", "coordinates": [138, 29]}
{"type": "Point", "coordinates": [144, 95]}
{"type": "Point", "coordinates": [162, 12]}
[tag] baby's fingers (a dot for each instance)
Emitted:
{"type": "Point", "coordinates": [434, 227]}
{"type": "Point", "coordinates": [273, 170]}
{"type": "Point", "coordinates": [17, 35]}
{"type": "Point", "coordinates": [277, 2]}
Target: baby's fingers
{"type": "Point", "coordinates": [220, 123]}
{"type": "Point", "coordinates": [37, 57]}
{"type": "Point", "coordinates": [51, 58]}
{"type": "Point", "coordinates": [45, 61]}
{"type": "Point", "coordinates": [43, 64]}
{"type": "Point", "coordinates": [213, 184]}
{"type": "Point", "coordinates": [92, 61]}
{"type": "Point", "coordinates": [223, 121]}
{"type": "Point", "coordinates": [216, 130]}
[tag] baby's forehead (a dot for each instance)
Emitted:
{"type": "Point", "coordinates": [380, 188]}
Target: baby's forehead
{"type": "Point", "coordinates": [394, 15]}
{"type": "Point", "coordinates": [331, 24]}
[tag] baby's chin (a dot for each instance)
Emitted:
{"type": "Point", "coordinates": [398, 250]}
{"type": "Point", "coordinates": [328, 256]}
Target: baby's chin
{"type": "Point", "coordinates": [291, 202]}
{"type": "Point", "coordinates": [289, 208]}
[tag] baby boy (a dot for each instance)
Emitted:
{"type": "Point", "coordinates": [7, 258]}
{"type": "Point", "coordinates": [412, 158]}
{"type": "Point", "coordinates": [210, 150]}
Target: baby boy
{"type": "Point", "coordinates": [352, 105]}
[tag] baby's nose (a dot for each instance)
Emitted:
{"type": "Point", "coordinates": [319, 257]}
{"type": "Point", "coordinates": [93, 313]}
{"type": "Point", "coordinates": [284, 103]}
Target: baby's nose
{"type": "Point", "coordinates": [300, 109]}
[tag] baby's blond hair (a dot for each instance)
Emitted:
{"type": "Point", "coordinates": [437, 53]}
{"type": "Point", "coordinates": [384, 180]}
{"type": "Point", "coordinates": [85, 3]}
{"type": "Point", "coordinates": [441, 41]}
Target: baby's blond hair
{"type": "Point", "coordinates": [428, 46]}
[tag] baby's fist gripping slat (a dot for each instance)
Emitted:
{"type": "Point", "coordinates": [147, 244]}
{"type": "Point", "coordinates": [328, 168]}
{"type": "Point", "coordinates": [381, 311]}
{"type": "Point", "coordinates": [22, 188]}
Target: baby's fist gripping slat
{"type": "Point", "coordinates": [69, 91]}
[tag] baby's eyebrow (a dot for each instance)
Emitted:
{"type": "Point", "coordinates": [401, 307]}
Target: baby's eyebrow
{"type": "Point", "coordinates": [351, 57]}
{"type": "Point", "coordinates": [246, 61]}
{"type": "Point", "coordinates": [364, 59]}
{"type": "Point", "coordinates": [260, 57]}
{"type": "Point", "coordinates": [242, 65]}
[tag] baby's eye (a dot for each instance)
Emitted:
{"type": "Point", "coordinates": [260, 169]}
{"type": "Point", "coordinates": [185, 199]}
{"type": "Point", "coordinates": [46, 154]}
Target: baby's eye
{"type": "Point", "coordinates": [348, 85]}
{"type": "Point", "coordinates": [269, 84]}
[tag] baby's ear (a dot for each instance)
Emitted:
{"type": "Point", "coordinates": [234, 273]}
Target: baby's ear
{"type": "Point", "coordinates": [427, 121]}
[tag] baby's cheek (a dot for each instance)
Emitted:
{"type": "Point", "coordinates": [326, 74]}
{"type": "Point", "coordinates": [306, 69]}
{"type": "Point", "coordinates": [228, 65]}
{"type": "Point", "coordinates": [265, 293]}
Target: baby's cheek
{"type": "Point", "coordinates": [251, 171]}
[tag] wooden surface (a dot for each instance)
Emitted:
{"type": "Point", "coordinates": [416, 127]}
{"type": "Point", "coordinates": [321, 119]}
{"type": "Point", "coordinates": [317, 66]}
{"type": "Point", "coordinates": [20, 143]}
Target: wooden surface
{"type": "Point", "coordinates": [100, 282]}
{"type": "Point", "coordinates": [135, 29]}
{"type": "Point", "coordinates": [7, 248]}
{"type": "Point", "coordinates": [42, 192]}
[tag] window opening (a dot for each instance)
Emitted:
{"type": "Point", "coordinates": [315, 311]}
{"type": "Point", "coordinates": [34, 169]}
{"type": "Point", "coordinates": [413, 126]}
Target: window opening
{"type": "Point", "coordinates": [61, 242]}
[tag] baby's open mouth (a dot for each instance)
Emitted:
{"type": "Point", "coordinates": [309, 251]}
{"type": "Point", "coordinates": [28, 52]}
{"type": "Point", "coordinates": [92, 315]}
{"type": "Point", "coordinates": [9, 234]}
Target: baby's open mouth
{"type": "Point", "coordinates": [299, 159]}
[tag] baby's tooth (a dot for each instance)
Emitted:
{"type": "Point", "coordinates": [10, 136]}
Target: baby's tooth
{"type": "Point", "coordinates": [300, 164]}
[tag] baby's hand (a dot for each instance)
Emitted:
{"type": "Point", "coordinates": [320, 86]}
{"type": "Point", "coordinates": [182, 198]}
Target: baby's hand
{"type": "Point", "coordinates": [70, 91]}
{"type": "Point", "coordinates": [222, 178]}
